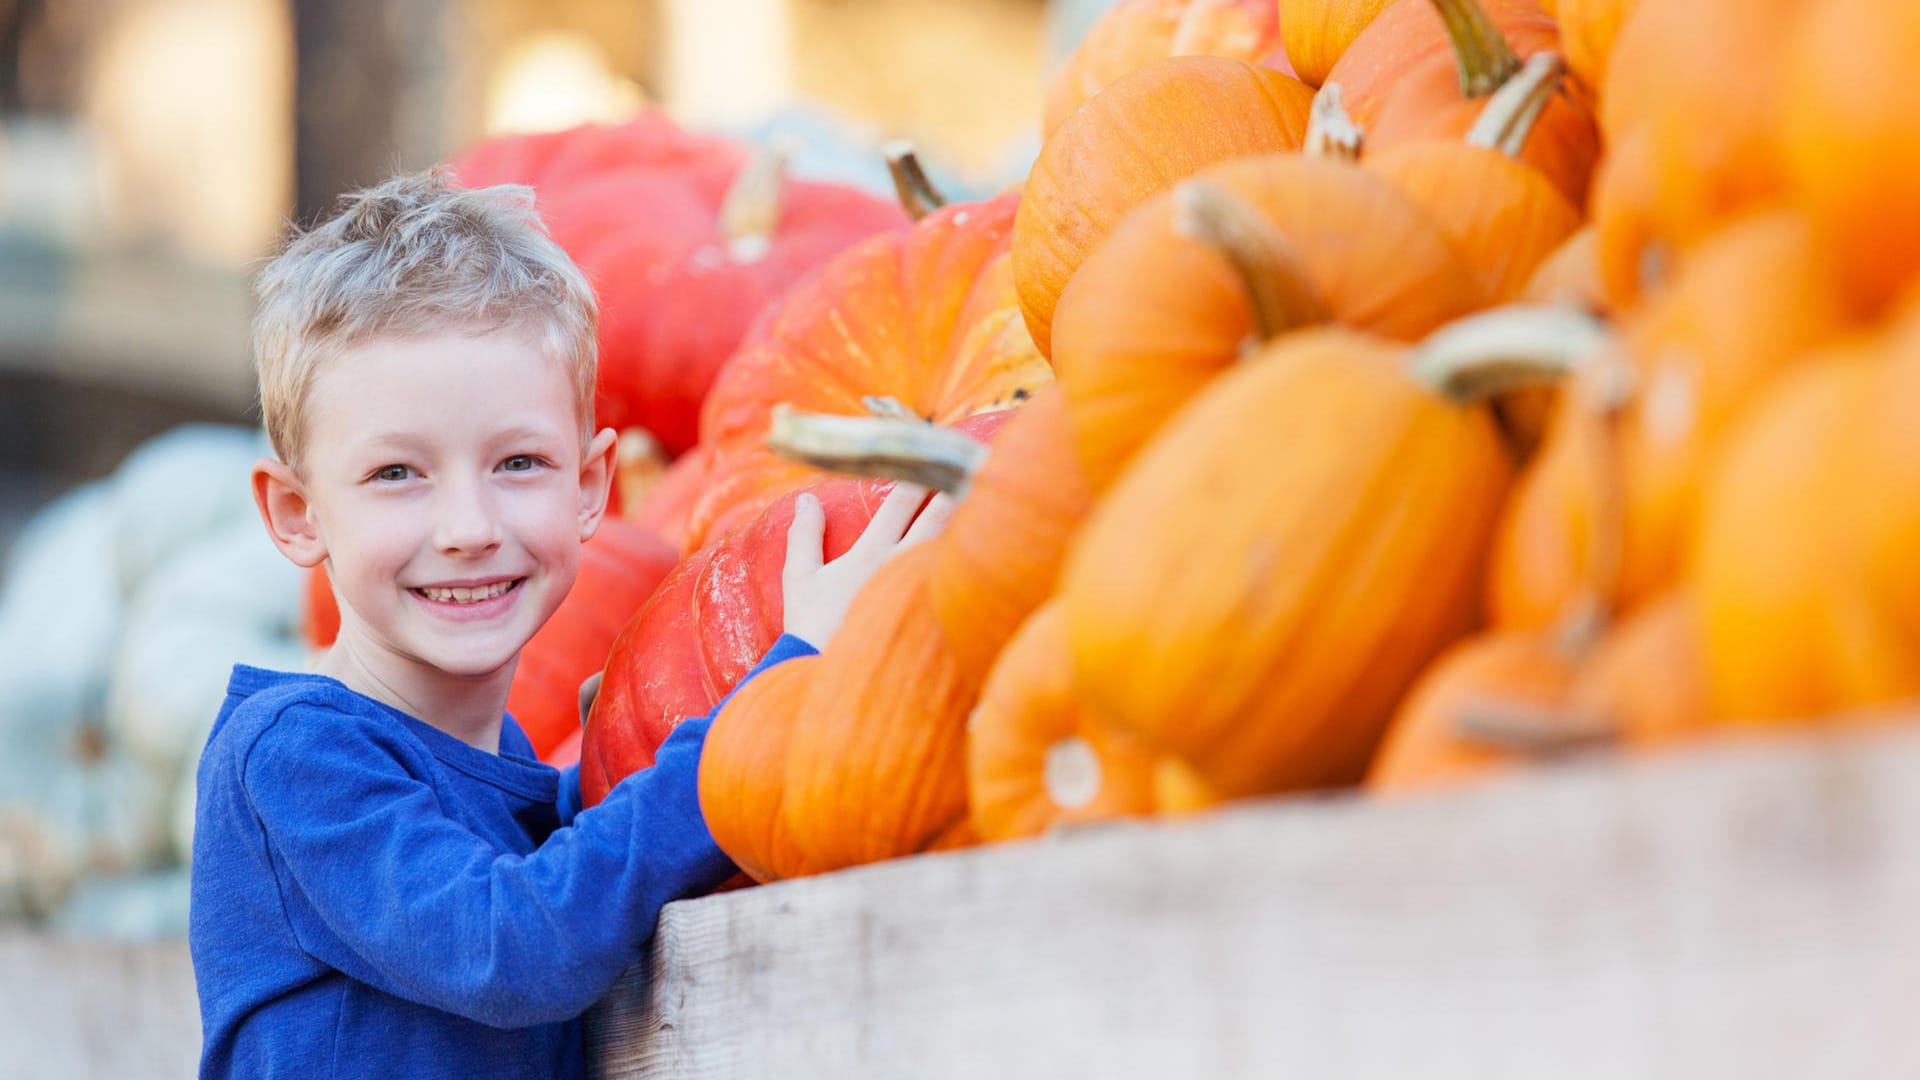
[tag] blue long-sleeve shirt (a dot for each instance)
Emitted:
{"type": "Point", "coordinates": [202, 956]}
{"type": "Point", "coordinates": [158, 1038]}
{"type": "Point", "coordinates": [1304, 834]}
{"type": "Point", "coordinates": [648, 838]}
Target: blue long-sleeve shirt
{"type": "Point", "coordinates": [373, 897]}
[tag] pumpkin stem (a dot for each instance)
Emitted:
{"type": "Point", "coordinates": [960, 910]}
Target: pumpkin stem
{"type": "Point", "coordinates": [1513, 110]}
{"type": "Point", "coordinates": [1331, 133]}
{"type": "Point", "coordinates": [750, 210]}
{"type": "Point", "coordinates": [915, 189]}
{"type": "Point", "coordinates": [889, 408]}
{"type": "Point", "coordinates": [1480, 51]}
{"type": "Point", "coordinates": [1261, 256]}
{"type": "Point", "coordinates": [1507, 348]}
{"type": "Point", "coordinates": [1534, 730]}
{"type": "Point", "coordinates": [1071, 773]}
{"type": "Point", "coordinates": [911, 450]}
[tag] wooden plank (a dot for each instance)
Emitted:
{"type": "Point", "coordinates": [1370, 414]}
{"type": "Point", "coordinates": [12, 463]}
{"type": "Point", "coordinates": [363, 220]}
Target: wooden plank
{"type": "Point", "coordinates": [77, 1010]}
{"type": "Point", "coordinates": [1743, 911]}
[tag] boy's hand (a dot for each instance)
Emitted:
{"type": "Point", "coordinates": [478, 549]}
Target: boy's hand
{"type": "Point", "coordinates": [816, 594]}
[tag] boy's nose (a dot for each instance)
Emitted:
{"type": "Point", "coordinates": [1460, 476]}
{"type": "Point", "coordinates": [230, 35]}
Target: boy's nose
{"type": "Point", "coordinates": [466, 521]}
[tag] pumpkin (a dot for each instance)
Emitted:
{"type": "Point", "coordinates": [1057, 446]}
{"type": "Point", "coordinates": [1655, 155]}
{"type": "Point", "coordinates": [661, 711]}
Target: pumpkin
{"type": "Point", "coordinates": [1802, 565]}
{"type": "Point", "coordinates": [1037, 758]}
{"type": "Point", "coordinates": [1318, 32]}
{"type": "Point", "coordinates": [1503, 216]}
{"type": "Point", "coordinates": [1741, 310]}
{"type": "Point", "coordinates": [722, 233]}
{"type": "Point", "coordinates": [1441, 734]}
{"type": "Point", "coordinates": [1569, 275]}
{"type": "Point", "coordinates": [1156, 126]}
{"type": "Point", "coordinates": [1262, 584]}
{"type": "Point", "coordinates": [743, 768]}
{"type": "Point", "coordinates": [876, 760]}
{"type": "Point", "coordinates": [1587, 32]}
{"type": "Point", "coordinates": [1647, 676]}
{"type": "Point", "coordinates": [708, 623]}
{"type": "Point", "coordinates": [1845, 129]}
{"type": "Point", "coordinates": [620, 566]}
{"type": "Point", "coordinates": [927, 317]}
{"type": "Point", "coordinates": [1243, 251]}
{"type": "Point", "coordinates": [552, 159]}
{"type": "Point", "coordinates": [1702, 81]}
{"type": "Point", "coordinates": [1134, 33]}
{"type": "Point", "coordinates": [667, 503]}
{"type": "Point", "coordinates": [1000, 556]}
{"type": "Point", "coordinates": [1422, 68]}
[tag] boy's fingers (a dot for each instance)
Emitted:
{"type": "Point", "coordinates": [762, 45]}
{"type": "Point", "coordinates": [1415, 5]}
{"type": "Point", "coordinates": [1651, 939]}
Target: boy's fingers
{"type": "Point", "coordinates": [806, 538]}
{"type": "Point", "coordinates": [891, 520]}
{"type": "Point", "coordinates": [931, 522]}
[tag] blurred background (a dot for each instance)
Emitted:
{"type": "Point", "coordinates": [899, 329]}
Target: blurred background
{"type": "Point", "coordinates": [151, 151]}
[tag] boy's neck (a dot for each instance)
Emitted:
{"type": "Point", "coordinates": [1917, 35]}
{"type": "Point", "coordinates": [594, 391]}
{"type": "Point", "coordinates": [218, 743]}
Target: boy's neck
{"type": "Point", "coordinates": [469, 709]}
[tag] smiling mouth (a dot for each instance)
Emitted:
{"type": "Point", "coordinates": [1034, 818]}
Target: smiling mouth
{"type": "Point", "coordinates": [476, 595]}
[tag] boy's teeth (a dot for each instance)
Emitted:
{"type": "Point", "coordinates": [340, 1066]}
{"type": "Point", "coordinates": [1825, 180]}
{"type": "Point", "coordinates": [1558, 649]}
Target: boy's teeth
{"type": "Point", "coordinates": [466, 595]}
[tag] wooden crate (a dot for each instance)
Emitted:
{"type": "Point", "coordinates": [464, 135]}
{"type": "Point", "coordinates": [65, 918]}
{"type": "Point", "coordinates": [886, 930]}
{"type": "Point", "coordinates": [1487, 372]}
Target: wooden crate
{"type": "Point", "coordinates": [1750, 910]}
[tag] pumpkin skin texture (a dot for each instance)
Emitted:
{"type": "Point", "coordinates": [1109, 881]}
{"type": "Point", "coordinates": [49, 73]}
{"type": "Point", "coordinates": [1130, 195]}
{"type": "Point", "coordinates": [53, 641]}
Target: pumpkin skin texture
{"type": "Point", "coordinates": [1425, 747]}
{"type": "Point", "coordinates": [1262, 630]}
{"type": "Point", "coordinates": [1742, 310]}
{"type": "Point", "coordinates": [927, 317]}
{"type": "Point", "coordinates": [1036, 758]}
{"type": "Point", "coordinates": [1803, 566]}
{"type": "Point", "coordinates": [743, 772]}
{"type": "Point", "coordinates": [1570, 275]}
{"type": "Point", "coordinates": [1000, 556]}
{"type": "Point", "coordinates": [1847, 136]}
{"type": "Point", "coordinates": [1318, 32]}
{"type": "Point", "coordinates": [708, 623]}
{"type": "Point", "coordinates": [1155, 314]}
{"type": "Point", "coordinates": [620, 566]}
{"type": "Point", "coordinates": [1648, 674]}
{"type": "Point", "coordinates": [1401, 81]}
{"type": "Point", "coordinates": [1156, 126]}
{"type": "Point", "coordinates": [1587, 32]}
{"type": "Point", "coordinates": [876, 766]}
{"type": "Point", "coordinates": [1135, 33]}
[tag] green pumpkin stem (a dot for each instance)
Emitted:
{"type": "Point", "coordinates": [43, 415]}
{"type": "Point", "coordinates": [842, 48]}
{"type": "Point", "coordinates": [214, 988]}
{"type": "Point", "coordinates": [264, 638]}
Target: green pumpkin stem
{"type": "Point", "coordinates": [1507, 348]}
{"type": "Point", "coordinates": [1262, 257]}
{"type": "Point", "coordinates": [915, 189]}
{"type": "Point", "coordinates": [1480, 51]}
{"type": "Point", "coordinates": [911, 450]}
{"type": "Point", "coordinates": [1512, 111]}
{"type": "Point", "coordinates": [1331, 132]}
{"type": "Point", "coordinates": [750, 210]}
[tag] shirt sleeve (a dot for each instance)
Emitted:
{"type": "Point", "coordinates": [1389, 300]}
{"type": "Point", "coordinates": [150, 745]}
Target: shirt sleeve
{"type": "Point", "coordinates": [421, 907]}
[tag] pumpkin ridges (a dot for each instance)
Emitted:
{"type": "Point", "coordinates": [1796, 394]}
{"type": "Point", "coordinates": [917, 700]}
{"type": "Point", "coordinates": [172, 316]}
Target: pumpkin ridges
{"type": "Point", "coordinates": [1135, 33]}
{"type": "Point", "coordinates": [743, 772]}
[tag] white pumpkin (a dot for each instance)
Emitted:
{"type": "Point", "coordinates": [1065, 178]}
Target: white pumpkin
{"type": "Point", "coordinates": [176, 488]}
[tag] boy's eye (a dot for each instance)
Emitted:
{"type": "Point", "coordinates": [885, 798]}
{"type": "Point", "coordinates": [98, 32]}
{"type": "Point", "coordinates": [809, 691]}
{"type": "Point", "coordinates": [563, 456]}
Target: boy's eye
{"type": "Point", "coordinates": [519, 463]}
{"type": "Point", "coordinates": [392, 473]}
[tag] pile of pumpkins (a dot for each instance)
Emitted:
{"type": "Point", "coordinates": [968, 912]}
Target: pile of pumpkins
{"type": "Point", "coordinates": [1355, 394]}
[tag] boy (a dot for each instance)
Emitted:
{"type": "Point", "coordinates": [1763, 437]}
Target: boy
{"type": "Point", "coordinates": [385, 881]}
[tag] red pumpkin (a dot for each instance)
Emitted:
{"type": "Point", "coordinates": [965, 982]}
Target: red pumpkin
{"type": "Point", "coordinates": [708, 623]}
{"type": "Point", "coordinates": [619, 568]}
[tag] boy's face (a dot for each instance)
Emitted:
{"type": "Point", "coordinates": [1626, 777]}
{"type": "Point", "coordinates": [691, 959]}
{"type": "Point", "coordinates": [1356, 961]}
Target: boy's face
{"type": "Point", "coordinates": [444, 478]}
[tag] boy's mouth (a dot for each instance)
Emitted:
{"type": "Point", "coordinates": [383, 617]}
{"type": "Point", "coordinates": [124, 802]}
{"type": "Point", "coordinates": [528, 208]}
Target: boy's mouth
{"type": "Point", "coordinates": [477, 594]}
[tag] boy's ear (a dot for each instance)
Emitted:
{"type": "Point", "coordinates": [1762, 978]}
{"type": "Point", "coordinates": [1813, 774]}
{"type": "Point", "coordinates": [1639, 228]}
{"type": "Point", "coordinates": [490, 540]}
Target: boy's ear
{"type": "Point", "coordinates": [282, 500]}
{"type": "Point", "coordinates": [596, 480]}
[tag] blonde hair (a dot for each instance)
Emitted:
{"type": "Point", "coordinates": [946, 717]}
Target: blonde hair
{"type": "Point", "coordinates": [411, 256]}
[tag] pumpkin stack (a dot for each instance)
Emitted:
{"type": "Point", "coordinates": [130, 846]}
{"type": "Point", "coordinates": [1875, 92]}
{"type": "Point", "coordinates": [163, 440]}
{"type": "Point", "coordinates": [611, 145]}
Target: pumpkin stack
{"type": "Point", "coordinates": [1442, 386]}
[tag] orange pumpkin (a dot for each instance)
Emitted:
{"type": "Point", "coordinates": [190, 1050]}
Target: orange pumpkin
{"type": "Point", "coordinates": [1036, 757]}
{"type": "Point", "coordinates": [1318, 32]}
{"type": "Point", "coordinates": [1848, 139]}
{"type": "Point", "coordinates": [1803, 565]}
{"type": "Point", "coordinates": [1503, 216]}
{"type": "Point", "coordinates": [1569, 275]}
{"type": "Point", "coordinates": [876, 765]}
{"type": "Point", "coordinates": [1587, 32]}
{"type": "Point", "coordinates": [743, 771]}
{"type": "Point", "coordinates": [1156, 126]}
{"type": "Point", "coordinates": [927, 317]}
{"type": "Point", "coordinates": [1422, 70]}
{"type": "Point", "coordinates": [1262, 584]}
{"type": "Point", "coordinates": [1648, 675]}
{"type": "Point", "coordinates": [1000, 556]}
{"type": "Point", "coordinates": [1436, 739]}
{"type": "Point", "coordinates": [1249, 249]}
{"type": "Point", "coordinates": [1135, 33]}
{"type": "Point", "coordinates": [1742, 309]}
